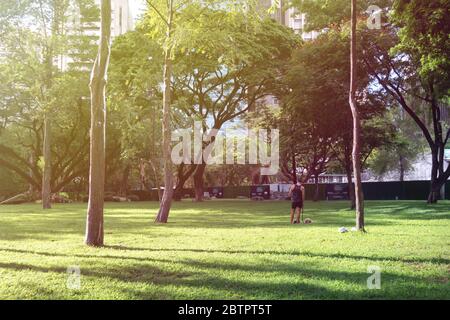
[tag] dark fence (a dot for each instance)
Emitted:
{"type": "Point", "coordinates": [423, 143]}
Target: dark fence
{"type": "Point", "coordinates": [145, 195]}
{"type": "Point", "coordinates": [407, 190]}
{"type": "Point", "coordinates": [310, 191]}
{"type": "Point", "coordinates": [234, 192]}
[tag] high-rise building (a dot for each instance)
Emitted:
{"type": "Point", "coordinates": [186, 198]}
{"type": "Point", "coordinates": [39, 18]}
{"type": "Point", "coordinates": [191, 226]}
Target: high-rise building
{"type": "Point", "coordinates": [290, 17]}
{"type": "Point", "coordinates": [122, 19]}
{"type": "Point", "coordinates": [84, 32]}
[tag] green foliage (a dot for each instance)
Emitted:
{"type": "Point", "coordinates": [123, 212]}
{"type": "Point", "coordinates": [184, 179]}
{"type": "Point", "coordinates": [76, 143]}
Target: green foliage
{"type": "Point", "coordinates": [425, 35]}
{"type": "Point", "coordinates": [315, 119]}
{"type": "Point", "coordinates": [402, 150]}
{"type": "Point", "coordinates": [35, 37]}
{"type": "Point", "coordinates": [333, 14]}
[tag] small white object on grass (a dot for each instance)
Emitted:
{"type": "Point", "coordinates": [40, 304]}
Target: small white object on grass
{"type": "Point", "coordinates": [343, 230]}
{"type": "Point", "coordinates": [354, 229]}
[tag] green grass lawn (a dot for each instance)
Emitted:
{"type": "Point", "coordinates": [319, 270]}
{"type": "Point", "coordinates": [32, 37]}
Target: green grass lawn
{"type": "Point", "coordinates": [227, 250]}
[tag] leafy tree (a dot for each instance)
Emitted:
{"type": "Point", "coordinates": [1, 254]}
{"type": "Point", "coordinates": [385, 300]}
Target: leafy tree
{"type": "Point", "coordinates": [226, 64]}
{"type": "Point", "coordinates": [420, 89]}
{"type": "Point", "coordinates": [423, 34]}
{"type": "Point", "coordinates": [34, 36]}
{"type": "Point", "coordinates": [316, 108]}
{"type": "Point", "coordinates": [326, 15]}
{"type": "Point", "coordinates": [135, 98]}
{"type": "Point", "coordinates": [227, 71]}
{"type": "Point", "coordinates": [408, 58]}
{"type": "Point", "coordinates": [399, 154]}
{"type": "Point", "coordinates": [164, 19]}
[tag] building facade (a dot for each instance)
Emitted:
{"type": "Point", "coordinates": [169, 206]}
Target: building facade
{"type": "Point", "coordinates": [89, 29]}
{"type": "Point", "coordinates": [290, 17]}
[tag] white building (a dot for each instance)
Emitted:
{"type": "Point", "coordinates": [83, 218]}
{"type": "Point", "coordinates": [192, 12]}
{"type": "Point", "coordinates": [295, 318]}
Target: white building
{"type": "Point", "coordinates": [122, 21]}
{"type": "Point", "coordinates": [122, 18]}
{"type": "Point", "coordinates": [291, 18]}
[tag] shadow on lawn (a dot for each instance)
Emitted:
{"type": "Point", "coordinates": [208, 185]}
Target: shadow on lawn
{"type": "Point", "coordinates": [297, 287]}
{"type": "Point", "coordinates": [245, 252]}
{"type": "Point", "coordinates": [83, 256]}
{"type": "Point", "coordinates": [292, 253]}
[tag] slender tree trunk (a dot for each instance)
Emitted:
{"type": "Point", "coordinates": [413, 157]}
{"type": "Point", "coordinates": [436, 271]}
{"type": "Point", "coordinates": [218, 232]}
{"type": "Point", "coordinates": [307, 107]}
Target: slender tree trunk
{"type": "Point", "coordinates": [142, 175]}
{"type": "Point", "coordinates": [351, 188]}
{"type": "Point", "coordinates": [198, 182]}
{"type": "Point", "coordinates": [156, 177]}
{"type": "Point", "coordinates": [166, 201]}
{"type": "Point", "coordinates": [124, 182]}
{"type": "Point", "coordinates": [349, 172]}
{"type": "Point", "coordinates": [356, 156]}
{"type": "Point", "coordinates": [435, 190]}
{"type": "Point", "coordinates": [47, 174]}
{"type": "Point", "coordinates": [34, 193]}
{"type": "Point", "coordinates": [94, 221]}
{"type": "Point", "coordinates": [316, 192]}
{"type": "Point", "coordinates": [436, 185]}
{"type": "Point", "coordinates": [438, 175]}
{"type": "Point", "coordinates": [182, 178]}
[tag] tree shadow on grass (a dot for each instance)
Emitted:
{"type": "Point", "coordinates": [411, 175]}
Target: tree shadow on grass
{"type": "Point", "coordinates": [306, 254]}
{"type": "Point", "coordinates": [85, 256]}
{"type": "Point", "coordinates": [291, 253]}
{"type": "Point", "coordinates": [300, 286]}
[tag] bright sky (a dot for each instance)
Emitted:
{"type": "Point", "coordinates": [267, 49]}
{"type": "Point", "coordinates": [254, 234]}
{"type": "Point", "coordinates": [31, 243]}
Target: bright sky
{"type": "Point", "coordinates": [136, 7]}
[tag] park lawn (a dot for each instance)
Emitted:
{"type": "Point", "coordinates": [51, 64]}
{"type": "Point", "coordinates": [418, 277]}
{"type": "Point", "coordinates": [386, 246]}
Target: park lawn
{"type": "Point", "coordinates": [227, 250]}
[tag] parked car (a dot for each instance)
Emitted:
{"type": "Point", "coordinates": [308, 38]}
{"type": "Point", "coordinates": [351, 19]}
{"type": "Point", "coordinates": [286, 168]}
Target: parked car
{"type": "Point", "coordinates": [216, 192]}
{"type": "Point", "coordinates": [261, 192]}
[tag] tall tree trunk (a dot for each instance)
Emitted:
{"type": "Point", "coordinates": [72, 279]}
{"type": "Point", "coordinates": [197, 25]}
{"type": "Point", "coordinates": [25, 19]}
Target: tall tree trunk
{"type": "Point", "coordinates": [182, 178]}
{"type": "Point", "coordinates": [156, 177]}
{"type": "Point", "coordinates": [316, 183]}
{"type": "Point", "coordinates": [166, 201]}
{"type": "Point", "coordinates": [356, 156]}
{"type": "Point", "coordinates": [351, 188]}
{"type": "Point", "coordinates": [46, 147]}
{"type": "Point", "coordinates": [177, 193]}
{"type": "Point", "coordinates": [47, 174]}
{"type": "Point", "coordinates": [198, 182]}
{"type": "Point", "coordinates": [94, 221]}
{"type": "Point", "coordinates": [435, 190]}
{"type": "Point", "coordinates": [437, 181]}
{"type": "Point", "coordinates": [142, 175]}
{"type": "Point", "coordinates": [124, 181]}
{"type": "Point", "coordinates": [34, 193]}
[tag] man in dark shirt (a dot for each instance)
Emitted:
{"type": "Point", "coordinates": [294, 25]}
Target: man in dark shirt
{"type": "Point", "coordinates": [297, 194]}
